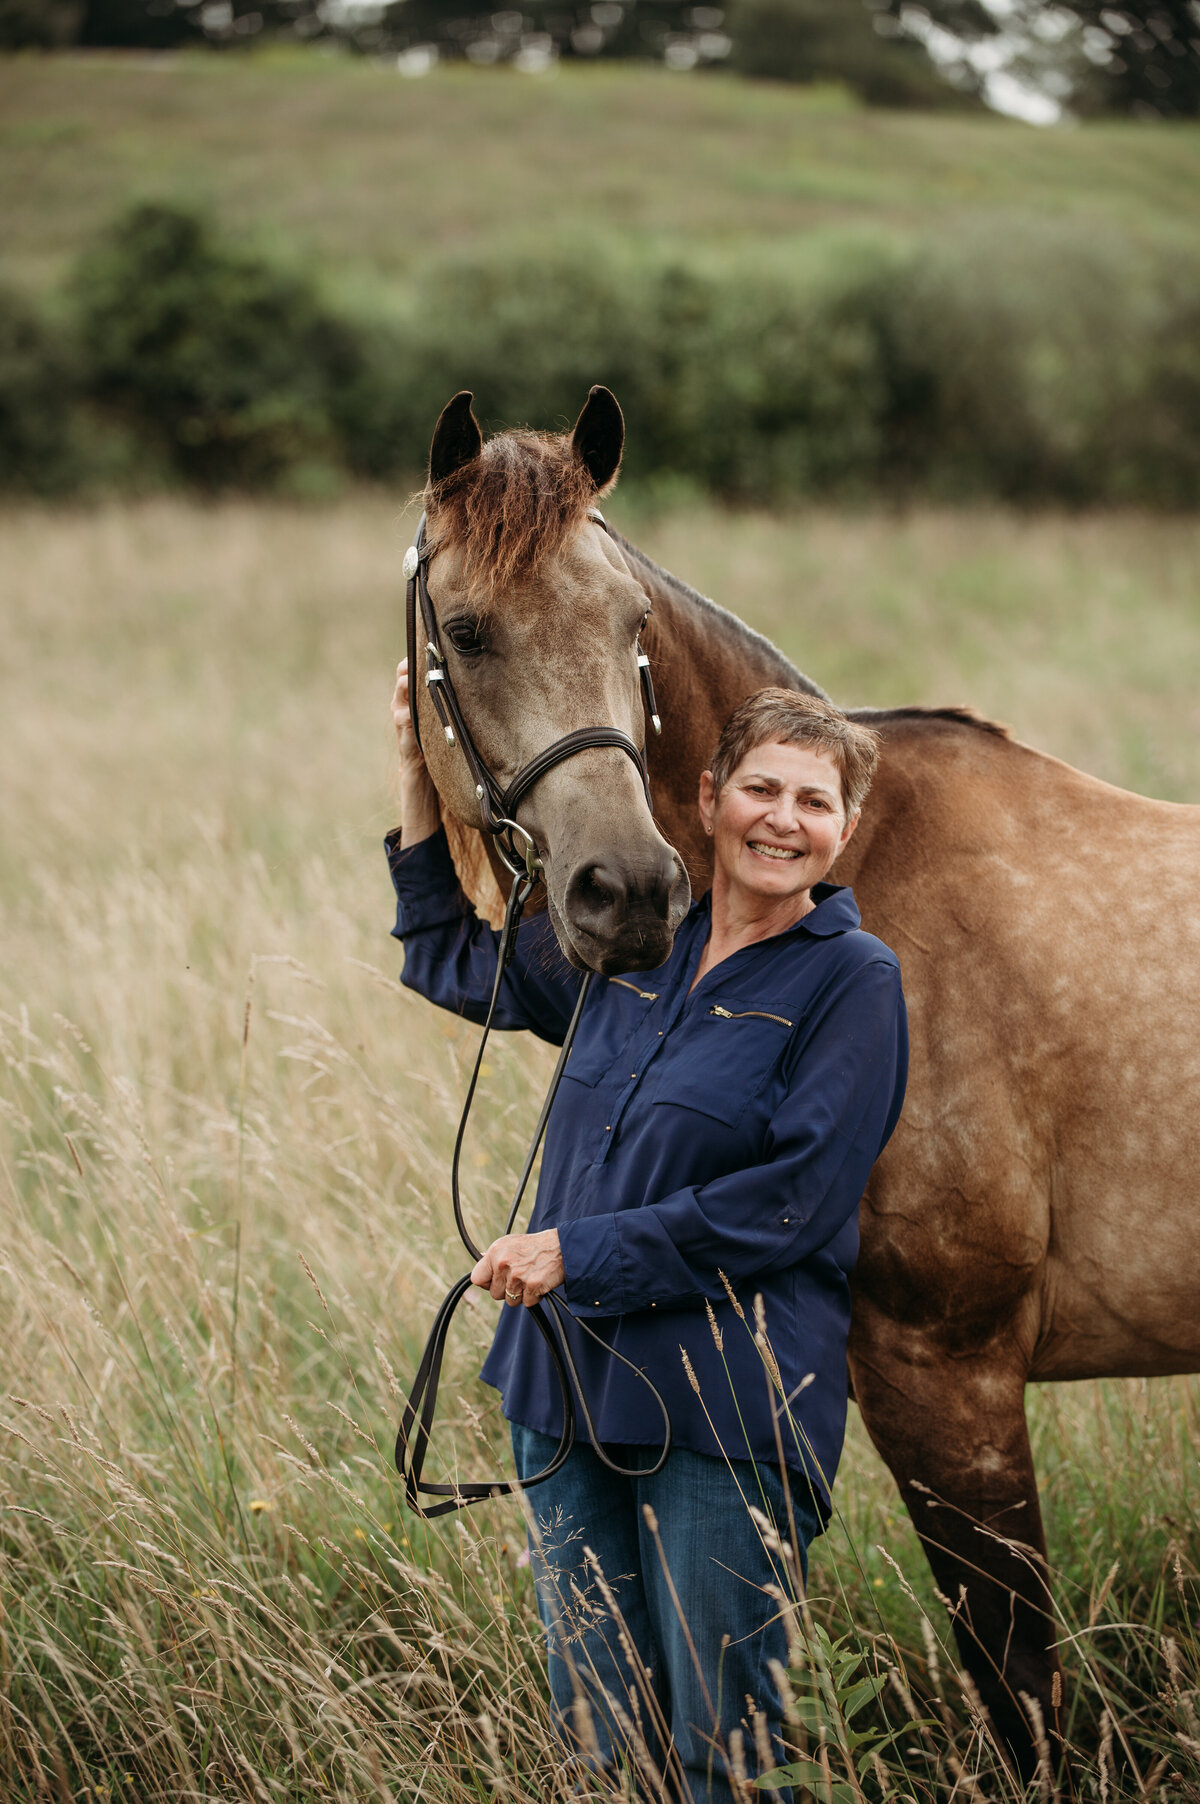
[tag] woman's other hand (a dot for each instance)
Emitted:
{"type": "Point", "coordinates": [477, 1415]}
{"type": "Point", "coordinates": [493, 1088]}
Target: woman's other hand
{"type": "Point", "coordinates": [521, 1268]}
{"type": "Point", "coordinates": [420, 810]}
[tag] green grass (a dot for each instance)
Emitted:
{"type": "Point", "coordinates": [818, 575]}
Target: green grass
{"type": "Point", "coordinates": [358, 169]}
{"type": "Point", "coordinates": [213, 1088]}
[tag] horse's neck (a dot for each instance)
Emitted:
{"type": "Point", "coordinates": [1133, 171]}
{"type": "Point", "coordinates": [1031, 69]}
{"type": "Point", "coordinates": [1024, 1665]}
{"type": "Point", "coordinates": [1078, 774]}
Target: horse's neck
{"type": "Point", "coordinates": [704, 661]}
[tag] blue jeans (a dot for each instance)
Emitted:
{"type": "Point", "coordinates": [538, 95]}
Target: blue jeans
{"type": "Point", "coordinates": [661, 1602]}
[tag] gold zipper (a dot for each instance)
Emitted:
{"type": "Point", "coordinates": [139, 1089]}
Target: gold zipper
{"type": "Point", "coordinates": [758, 1014]}
{"type": "Point", "coordinates": [646, 995]}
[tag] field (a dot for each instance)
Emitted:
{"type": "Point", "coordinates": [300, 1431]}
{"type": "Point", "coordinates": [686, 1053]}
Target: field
{"type": "Point", "coordinates": [372, 177]}
{"type": "Point", "coordinates": [224, 1142]}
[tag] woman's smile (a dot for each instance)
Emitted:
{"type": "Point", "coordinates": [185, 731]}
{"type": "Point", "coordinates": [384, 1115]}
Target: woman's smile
{"type": "Point", "coordinates": [763, 850]}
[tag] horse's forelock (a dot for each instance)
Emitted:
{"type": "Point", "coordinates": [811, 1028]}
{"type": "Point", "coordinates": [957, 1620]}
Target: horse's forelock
{"type": "Point", "coordinates": [511, 507]}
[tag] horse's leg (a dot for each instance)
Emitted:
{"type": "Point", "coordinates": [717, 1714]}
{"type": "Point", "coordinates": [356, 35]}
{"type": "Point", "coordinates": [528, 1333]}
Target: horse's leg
{"type": "Point", "coordinates": [952, 1429]}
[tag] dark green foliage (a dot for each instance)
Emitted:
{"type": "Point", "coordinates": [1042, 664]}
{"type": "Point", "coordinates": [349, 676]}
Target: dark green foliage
{"type": "Point", "coordinates": [838, 40]}
{"type": "Point", "coordinates": [230, 364]}
{"type": "Point", "coordinates": [39, 395]}
{"type": "Point", "coordinates": [1092, 55]}
{"type": "Point", "coordinates": [1026, 364]}
{"type": "Point", "coordinates": [1041, 365]}
{"type": "Point", "coordinates": [137, 24]}
{"type": "Point", "coordinates": [635, 28]}
{"type": "Point", "coordinates": [169, 24]}
{"type": "Point", "coordinates": [1145, 59]}
{"type": "Point", "coordinates": [38, 24]}
{"type": "Point", "coordinates": [1029, 366]}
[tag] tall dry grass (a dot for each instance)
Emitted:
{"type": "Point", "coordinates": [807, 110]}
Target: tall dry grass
{"type": "Point", "coordinates": [223, 1155]}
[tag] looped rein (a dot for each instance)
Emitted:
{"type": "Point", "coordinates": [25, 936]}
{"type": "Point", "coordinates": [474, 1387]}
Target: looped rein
{"type": "Point", "coordinates": [498, 808]}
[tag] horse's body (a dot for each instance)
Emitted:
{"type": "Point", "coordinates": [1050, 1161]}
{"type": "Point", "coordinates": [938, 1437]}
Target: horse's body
{"type": "Point", "coordinates": [1034, 1215]}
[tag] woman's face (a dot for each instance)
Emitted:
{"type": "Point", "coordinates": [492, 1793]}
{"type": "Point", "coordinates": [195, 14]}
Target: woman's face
{"type": "Point", "coordinates": [779, 822]}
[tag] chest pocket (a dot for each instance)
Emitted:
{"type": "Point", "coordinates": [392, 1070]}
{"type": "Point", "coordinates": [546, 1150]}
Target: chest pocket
{"type": "Point", "coordinates": [723, 1060]}
{"type": "Point", "coordinates": [621, 1010]}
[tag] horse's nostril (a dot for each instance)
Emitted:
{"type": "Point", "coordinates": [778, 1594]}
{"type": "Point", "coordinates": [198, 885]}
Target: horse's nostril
{"type": "Point", "coordinates": [594, 894]}
{"type": "Point", "coordinates": [602, 898]}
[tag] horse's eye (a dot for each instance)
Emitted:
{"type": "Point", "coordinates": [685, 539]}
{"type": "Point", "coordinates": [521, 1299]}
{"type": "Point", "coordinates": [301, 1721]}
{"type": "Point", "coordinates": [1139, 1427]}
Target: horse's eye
{"type": "Point", "coordinates": [464, 635]}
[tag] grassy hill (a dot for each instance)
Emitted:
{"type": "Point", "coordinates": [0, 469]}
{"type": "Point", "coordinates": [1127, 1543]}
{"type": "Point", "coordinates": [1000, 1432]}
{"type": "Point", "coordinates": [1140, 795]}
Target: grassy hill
{"type": "Point", "coordinates": [350, 165]}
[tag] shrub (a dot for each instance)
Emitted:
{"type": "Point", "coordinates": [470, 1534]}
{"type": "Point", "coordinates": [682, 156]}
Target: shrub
{"type": "Point", "coordinates": [228, 362]}
{"type": "Point", "coordinates": [530, 331]}
{"type": "Point", "coordinates": [39, 397]}
{"type": "Point", "coordinates": [992, 360]}
{"type": "Point", "coordinates": [753, 387]}
{"type": "Point", "coordinates": [1030, 366]}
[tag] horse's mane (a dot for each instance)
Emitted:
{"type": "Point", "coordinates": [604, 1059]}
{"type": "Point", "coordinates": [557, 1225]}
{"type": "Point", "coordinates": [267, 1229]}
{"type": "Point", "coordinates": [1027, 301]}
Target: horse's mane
{"type": "Point", "coordinates": [512, 506]}
{"type": "Point", "coordinates": [730, 625]}
{"type": "Point", "coordinates": [962, 717]}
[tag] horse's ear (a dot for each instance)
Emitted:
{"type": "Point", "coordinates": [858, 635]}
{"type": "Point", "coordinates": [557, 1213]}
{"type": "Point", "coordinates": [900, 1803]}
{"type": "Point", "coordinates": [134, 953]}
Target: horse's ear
{"type": "Point", "coordinates": [599, 437]}
{"type": "Point", "coordinates": [456, 438]}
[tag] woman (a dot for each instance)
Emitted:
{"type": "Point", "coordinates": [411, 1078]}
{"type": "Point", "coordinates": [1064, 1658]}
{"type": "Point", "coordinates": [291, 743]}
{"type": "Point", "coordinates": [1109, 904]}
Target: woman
{"type": "Point", "coordinates": [706, 1154]}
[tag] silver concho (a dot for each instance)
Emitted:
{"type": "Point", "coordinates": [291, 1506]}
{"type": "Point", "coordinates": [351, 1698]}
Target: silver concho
{"type": "Point", "coordinates": [409, 566]}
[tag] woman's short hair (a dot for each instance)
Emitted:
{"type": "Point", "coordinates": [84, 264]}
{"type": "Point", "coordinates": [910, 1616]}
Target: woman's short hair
{"type": "Point", "coordinates": [789, 717]}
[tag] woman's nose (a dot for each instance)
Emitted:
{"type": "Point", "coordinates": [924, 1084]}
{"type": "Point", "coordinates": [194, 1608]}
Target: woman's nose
{"type": "Point", "coordinates": [782, 815]}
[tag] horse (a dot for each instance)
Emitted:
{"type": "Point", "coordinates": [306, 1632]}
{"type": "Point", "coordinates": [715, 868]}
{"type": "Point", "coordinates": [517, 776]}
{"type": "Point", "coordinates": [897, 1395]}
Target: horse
{"type": "Point", "coordinates": [1033, 1217]}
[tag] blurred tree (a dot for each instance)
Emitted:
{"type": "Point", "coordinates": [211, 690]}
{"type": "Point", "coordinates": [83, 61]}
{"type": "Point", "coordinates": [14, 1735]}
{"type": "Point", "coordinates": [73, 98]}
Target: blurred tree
{"type": "Point", "coordinates": [167, 24]}
{"type": "Point", "coordinates": [144, 24]}
{"type": "Point", "coordinates": [39, 24]}
{"type": "Point", "coordinates": [1091, 56]}
{"type": "Point", "coordinates": [870, 48]}
{"type": "Point", "coordinates": [682, 34]}
{"type": "Point", "coordinates": [1143, 60]}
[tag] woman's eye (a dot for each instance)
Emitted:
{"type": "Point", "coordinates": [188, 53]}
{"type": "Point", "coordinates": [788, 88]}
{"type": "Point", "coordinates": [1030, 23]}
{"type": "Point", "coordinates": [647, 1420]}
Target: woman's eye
{"type": "Point", "coordinates": [464, 636]}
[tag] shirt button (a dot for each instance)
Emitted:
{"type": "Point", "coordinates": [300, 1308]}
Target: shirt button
{"type": "Point", "coordinates": [633, 1074]}
{"type": "Point", "coordinates": [608, 1130]}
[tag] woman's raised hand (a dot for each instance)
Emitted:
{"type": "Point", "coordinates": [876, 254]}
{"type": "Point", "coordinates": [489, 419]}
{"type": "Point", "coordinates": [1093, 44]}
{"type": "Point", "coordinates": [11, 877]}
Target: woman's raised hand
{"type": "Point", "coordinates": [420, 809]}
{"type": "Point", "coordinates": [406, 738]}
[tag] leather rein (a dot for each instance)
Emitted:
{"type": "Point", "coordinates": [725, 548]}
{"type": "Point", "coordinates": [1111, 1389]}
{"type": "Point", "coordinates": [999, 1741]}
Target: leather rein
{"type": "Point", "coordinates": [497, 809]}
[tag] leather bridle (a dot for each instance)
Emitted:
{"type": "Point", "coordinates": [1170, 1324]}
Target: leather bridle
{"type": "Point", "coordinates": [498, 809]}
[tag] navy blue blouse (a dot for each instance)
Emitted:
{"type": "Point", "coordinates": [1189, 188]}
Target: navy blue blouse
{"type": "Point", "coordinates": [719, 1133]}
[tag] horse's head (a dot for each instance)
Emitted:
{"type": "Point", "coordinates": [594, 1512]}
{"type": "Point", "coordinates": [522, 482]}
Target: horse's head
{"type": "Point", "coordinates": [538, 615]}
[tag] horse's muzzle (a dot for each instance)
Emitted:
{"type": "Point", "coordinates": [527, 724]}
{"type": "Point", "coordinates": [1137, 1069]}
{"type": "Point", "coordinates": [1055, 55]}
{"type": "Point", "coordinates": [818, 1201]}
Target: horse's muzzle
{"type": "Point", "coordinates": [622, 917]}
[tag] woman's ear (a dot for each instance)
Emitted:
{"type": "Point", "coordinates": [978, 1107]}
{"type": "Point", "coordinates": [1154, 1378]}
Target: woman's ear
{"type": "Point", "coordinates": [708, 800]}
{"type": "Point", "coordinates": [848, 829]}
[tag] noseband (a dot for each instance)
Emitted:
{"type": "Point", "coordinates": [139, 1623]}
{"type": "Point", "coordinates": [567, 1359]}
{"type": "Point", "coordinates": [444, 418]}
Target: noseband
{"type": "Point", "coordinates": [498, 807]}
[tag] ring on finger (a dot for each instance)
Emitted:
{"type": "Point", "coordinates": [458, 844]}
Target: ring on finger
{"type": "Point", "coordinates": [513, 1296]}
